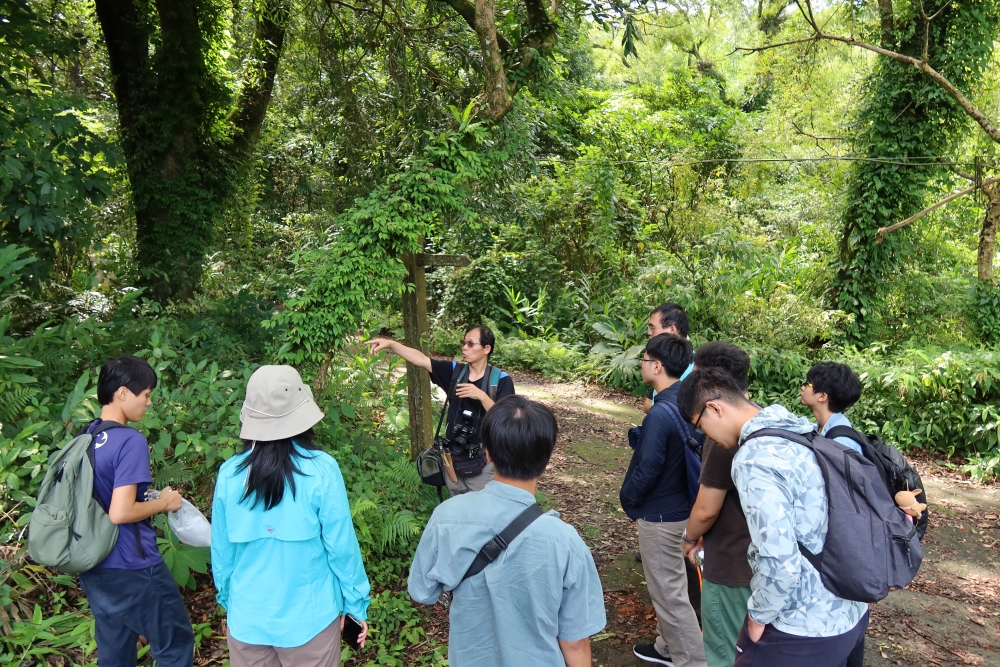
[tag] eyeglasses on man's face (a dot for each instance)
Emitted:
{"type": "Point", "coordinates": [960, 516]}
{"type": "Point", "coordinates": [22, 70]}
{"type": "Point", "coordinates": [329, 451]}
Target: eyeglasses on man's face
{"type": "Point", "coordinates": [697, 422]}
{"type": "Point", "coordinates": [647, 361]}
{"type": "Point", "coordinates": [470, 343]}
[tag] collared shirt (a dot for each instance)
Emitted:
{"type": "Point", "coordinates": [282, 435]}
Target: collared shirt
{"type": "Point", "coordinates": [784, 498]}
{"type": "Point", "coordinates": [543, 587]}
{"type": "Point", "coordinates": [838, 419]}
{"type": "Point", "coordinates": [286, 573]}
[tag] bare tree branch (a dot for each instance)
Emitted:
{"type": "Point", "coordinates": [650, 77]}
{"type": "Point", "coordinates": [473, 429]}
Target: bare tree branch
{"type": "Point", "coordinates": [884, 231]}
{"type": "Point", "coordinates": [258, 78]}
{"type": "Point", "coordinates": [920, 64]}
{"type": "Point", "coordinates": [495, 101]}
{"type": "Point", "coordinates": [467, 11]}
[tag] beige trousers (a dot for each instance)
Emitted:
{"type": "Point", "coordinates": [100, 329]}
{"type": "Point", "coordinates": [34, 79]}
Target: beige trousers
{"type": "Point", "coordinates": [466, 484]}
{"type": "Point", "coordinates": [323, 650]}
{"type": "Point", "coordinates": [662, 549]}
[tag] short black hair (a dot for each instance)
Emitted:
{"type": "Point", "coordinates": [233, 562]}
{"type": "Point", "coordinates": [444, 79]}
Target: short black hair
{"type": "Point", "coordinates": [727, 356]}
{"type": "Point", "coordinates": [841, 385]}
{"type": "Point", "coordinates": [672, 314]}
{"type": "Point", "coordinates": [486, 337]}
{"type": "Point", "coordinates": [672, 351]}
{"type": "Point", "coordinates": [708, 384]}
{"type": "Point", "coordinates": [126, 371]}
{"type": "Point", "coordinates": [519, 435]}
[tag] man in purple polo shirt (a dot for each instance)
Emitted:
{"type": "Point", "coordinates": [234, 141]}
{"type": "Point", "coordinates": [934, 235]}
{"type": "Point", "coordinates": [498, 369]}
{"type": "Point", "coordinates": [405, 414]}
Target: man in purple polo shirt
{"type": "Point", "coordinates": [131, 592]}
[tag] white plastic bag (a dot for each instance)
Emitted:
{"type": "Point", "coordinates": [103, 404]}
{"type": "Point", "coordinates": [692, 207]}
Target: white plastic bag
{"type": "Point", "coordinates": [190, 525]}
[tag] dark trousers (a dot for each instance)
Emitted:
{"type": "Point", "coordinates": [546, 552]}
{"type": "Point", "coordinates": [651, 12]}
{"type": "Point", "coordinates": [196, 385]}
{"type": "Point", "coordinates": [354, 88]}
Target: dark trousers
{"type": "Point", "coordinates": [780, 649]}
{"type": "Point", "coordinates": [129, 603]}
{"type": "Point", "coordinates": [857, 657]}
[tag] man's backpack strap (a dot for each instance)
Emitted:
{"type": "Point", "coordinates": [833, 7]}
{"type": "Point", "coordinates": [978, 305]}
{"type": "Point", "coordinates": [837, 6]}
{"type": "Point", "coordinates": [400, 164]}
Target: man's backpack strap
{"type": "Point", "coordinates": [105, 425]}
{"type": "Point", "coordinates": [806, 441]}
{"type": "Point", "coordinates": [492, 550]}
{"type": "Point", "coordinates": [847, 432]}
{"type": "Point", "coordinates": [682, 426]}
{"type": "Point", "coordinates": [692, 449]}
{"type": "Point", "coordinates": [494, 374]}
{"type": "Point", "coordinates": [456, 377]}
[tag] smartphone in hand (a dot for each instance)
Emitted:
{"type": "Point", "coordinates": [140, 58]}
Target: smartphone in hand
{"type": "Point", "coordinates": [352, 632]}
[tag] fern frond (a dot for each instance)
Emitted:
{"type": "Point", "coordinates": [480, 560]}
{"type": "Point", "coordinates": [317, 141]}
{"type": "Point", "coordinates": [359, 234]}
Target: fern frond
{"type": "Point", "coordinates": [13, 401]}
{"type": "Point", "coordinates": [397, 530]}
{"type": "Point", "coordinates": [361, 507]}
{"type": "Point", "coordinates": [172, 473]}
{"type": "Point", "coordinates": [404, 473]}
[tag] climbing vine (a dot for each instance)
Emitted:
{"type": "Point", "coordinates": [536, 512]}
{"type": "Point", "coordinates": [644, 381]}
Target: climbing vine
{"type": "Point", "coordinates": [359, 264]}
{"type": "Point", "coordinates": [905, 116]}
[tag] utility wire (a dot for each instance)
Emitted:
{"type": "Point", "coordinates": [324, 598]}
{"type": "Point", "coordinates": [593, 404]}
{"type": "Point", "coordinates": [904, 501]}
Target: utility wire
{"type": "Point", "coordinates": [926, 161]}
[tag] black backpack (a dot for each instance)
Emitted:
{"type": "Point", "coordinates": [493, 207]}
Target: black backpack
{"type": "Point", "coordinates": [893, 467]}
{"type": "Point", "coordinates": [871, 546]}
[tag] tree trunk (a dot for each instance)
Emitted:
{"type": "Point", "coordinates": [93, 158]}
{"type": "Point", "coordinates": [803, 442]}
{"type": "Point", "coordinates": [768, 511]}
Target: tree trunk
{"type": "Point", "coordinates": [987, 237]}
{"type": "Point", "coordinates": [183, 138]}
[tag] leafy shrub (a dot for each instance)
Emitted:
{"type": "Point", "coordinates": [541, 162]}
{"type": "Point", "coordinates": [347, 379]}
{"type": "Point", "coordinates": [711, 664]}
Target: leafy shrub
{"type": "Point", "coordinates": [986, 312]}
{"type": "Point", "coordinates": [552, 358]}
{"type": "Point", "coordinates": [929, 399]}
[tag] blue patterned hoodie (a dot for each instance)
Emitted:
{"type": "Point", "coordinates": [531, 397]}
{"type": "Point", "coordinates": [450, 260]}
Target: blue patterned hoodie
{"type": "Point", "coordinates": [784, 498]}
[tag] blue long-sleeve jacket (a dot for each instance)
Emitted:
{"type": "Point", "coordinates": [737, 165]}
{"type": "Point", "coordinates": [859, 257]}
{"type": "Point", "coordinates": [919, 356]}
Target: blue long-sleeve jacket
{"type": "Point", "coordinates": [656, 482]}
{"type": "Point", "coordinates": [285, 574]}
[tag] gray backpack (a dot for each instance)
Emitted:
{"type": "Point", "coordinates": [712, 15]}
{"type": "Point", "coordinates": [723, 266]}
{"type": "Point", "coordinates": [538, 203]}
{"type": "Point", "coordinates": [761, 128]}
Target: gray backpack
{"type": "Point", "coordinates": [70, 529]}
{"type": "Point", "coordinates": [871, 546]}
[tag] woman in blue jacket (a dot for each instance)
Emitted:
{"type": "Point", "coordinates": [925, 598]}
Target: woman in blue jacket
{"type": "Point", "coordinates": [285, 558]}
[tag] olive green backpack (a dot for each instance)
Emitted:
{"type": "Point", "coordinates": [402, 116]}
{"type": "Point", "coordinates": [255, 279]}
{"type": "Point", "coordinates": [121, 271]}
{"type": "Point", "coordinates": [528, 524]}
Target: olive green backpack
{"type": "Point", "coordinates": [70, 529]}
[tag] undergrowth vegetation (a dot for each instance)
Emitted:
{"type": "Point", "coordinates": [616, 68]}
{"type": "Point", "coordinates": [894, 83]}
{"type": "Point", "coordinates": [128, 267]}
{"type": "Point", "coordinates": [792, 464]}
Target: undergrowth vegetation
{"type": "Point", "coordinates": [48, 379]}
{"type": "Point", "coordinates": [642, 157]}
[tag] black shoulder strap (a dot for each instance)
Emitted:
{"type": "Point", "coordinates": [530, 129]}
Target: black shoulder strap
{"type": "Point", "coordinates": [101, 427]}
{"type": "Point", "coordinates": [680, 424]}
{"type": "Point", "coordinates": [492, 550]}
{"type": "Point", "coordinates": [847, 432]}
{"type": "Point", "coordinates": [456, 376]}
{"type": "Point", "coordinates": [802, 439]}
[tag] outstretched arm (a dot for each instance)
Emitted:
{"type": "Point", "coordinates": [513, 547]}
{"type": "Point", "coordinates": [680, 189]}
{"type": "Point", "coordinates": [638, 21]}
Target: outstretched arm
{"type": "Point", "coordinates": [415, 357]}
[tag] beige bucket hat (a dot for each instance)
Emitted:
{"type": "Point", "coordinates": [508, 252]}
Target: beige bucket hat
{"type": "Point", "coordinates": [278, 405]}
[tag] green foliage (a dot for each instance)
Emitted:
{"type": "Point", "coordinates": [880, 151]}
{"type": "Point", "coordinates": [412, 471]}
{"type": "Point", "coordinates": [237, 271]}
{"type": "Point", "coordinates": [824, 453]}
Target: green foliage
{"type": "Point", "coordinates": [55, 158]}
{"type": "Point", "coordinates": [551, 357]}
{"type": "Point", "coordinates": [183, 560]}
{"type": "Point", "coordinates": [904, 115]}
{"type": "Point", "coordinates": [359, 264]}
{"type": "Point", "coordinates": [986, 312]}
{"type": "Point", "coordinates": [983, 468]}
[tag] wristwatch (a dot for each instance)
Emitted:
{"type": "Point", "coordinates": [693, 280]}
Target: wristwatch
{"type": "Point", "coordinates": [686, 539]}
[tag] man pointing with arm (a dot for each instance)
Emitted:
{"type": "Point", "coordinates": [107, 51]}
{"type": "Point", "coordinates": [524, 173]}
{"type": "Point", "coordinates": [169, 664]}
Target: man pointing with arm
{"type": "Point", "coordinates": [471, 394]}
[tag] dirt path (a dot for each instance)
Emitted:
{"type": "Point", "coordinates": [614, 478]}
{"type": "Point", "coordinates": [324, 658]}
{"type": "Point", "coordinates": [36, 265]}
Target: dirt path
{"type": "Point", "coordinates": [950, 615]}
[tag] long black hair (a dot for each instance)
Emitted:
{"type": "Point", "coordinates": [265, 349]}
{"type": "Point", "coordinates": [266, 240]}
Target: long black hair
{"type": "Point", "coordinates": [270, 466]}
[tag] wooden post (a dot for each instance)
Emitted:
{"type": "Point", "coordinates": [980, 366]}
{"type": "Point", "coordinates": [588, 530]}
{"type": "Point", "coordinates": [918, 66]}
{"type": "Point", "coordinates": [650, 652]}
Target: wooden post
{"type": "Point", "coordinates": [418, 381]}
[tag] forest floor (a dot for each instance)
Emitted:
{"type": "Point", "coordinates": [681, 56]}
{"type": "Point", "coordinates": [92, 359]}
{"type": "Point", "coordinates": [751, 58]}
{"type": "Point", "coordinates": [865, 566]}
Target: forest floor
{"type": "Point", "coordinates": [950, 615]}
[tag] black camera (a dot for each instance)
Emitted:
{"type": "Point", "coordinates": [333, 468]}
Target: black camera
{"type": "Point", "coordinates": [462, 435]}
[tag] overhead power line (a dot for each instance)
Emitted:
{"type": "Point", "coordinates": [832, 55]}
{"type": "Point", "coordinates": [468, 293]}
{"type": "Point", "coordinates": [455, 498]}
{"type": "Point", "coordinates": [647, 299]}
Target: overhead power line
{"type": "Point", "coordinates": [922, 161]}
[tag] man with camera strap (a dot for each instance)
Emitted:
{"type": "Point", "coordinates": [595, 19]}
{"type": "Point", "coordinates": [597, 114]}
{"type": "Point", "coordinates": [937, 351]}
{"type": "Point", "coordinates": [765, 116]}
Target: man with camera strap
{"type": "Point", "coordinates": [472, 389]}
